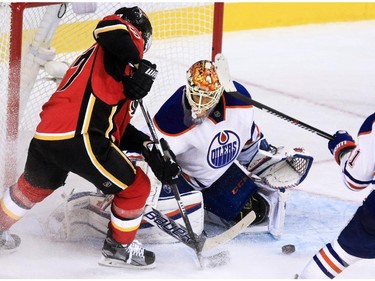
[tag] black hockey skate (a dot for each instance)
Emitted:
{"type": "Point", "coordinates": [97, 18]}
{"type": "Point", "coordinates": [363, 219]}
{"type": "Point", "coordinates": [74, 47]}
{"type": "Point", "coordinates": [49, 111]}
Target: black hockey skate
{"type": "Point", "coordinates": [132, 255]}
{"type": "Point", "coordinates": [8, 242]}
{"type": "Point", "coordinates": [257, 204]}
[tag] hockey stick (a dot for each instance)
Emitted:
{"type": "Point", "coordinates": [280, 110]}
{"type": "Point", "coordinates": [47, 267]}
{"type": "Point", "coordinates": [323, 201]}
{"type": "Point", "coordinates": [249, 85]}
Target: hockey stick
{"type": "Point", "coordinates": [176, 230]}
{"type": "Point", "coordinates": [197, 243]}
{"type": "Point", "coordinates": [222, 69]}
{"type": "Point", "coordinates": [173, 186]}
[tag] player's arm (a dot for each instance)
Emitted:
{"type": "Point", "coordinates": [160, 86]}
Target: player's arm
{"type": "Point", "coordinates": [252, 146]}
{"type": "Point", "coordinates": [114, 36]}
{"type": "Point", "coordinates": [133, 139]}
{"type": "Point", "coordinates": [165, 169]}
{"type": "Point", "coordinates": [356, 160]}
{"type": "Point", "coordinates": [123, 44]}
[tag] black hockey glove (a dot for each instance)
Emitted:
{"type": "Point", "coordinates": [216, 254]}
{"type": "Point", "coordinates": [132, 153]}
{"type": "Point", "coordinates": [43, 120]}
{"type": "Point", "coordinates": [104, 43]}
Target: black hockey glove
{"type": "Point", "coordinates": [165, 168]}
{"type": "Point", "coordinates": [139, 84]}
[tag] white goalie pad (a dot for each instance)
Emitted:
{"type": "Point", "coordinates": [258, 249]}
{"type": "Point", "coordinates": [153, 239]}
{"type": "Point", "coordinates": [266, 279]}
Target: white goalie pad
{"type": "Point", "coordinates": [193, 203]}
{"type": "Point", "coordinates": [274, 221]}
{"type": "Point", "coordinates": [85, 215]}
{"type": "Point", "coordinates": [277, 201]}
{"type": "Point", "coordinates": [281, 168]}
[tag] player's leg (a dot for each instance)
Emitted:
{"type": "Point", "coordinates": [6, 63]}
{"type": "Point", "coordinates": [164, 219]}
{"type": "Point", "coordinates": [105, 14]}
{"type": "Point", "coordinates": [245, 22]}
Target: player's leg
{"type": "Point", "coordinates": [356, 241]}
{"type": "Point", "coordinates": [39, 180]}
{"type": "Point", "coordinates": [108, 168]}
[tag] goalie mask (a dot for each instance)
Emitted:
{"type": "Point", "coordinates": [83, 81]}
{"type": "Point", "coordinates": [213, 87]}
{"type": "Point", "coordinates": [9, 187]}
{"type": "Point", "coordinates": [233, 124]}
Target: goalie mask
{"type": "Point", "coordinates": [139, 19]}
{"type": "Point", "coordinates": [203, 88]}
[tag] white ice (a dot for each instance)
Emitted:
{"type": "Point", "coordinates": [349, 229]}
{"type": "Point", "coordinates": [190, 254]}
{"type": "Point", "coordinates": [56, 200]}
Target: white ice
{"type": "Point", "coordinates": [323, 75]}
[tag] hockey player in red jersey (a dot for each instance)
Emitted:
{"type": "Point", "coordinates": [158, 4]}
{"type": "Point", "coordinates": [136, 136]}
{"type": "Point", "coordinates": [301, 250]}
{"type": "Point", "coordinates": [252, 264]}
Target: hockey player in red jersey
{"type": "Point", "coordinates": [85, 127]}
{"type": "Point", "coordinates": [357, 240]}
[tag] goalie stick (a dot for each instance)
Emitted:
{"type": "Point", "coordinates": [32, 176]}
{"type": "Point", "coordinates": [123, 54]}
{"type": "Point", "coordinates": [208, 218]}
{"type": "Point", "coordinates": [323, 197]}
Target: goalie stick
{"type": "Point", "coordinates": [188, 237]}
{"type": "Point", "coordinates": [222, 69]}
{"type": "Point", "coordinates": [179, 232]}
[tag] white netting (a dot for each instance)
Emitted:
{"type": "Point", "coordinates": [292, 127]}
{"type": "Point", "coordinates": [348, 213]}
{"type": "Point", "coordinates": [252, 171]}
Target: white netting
{"type": "Point", "coordinates": [182, 35]}
{"type": "Point", "coordinates": [5, 12]}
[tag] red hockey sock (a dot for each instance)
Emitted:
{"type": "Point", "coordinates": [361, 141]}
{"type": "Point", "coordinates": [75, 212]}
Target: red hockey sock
{"type": "Point", "coordinates": [17, 200]}
{"type": "Point", "coordinates": [127, 208]}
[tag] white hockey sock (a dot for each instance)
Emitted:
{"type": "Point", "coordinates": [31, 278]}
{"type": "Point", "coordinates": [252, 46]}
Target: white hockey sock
{"type": "Point", "coordinates": [328, 262]}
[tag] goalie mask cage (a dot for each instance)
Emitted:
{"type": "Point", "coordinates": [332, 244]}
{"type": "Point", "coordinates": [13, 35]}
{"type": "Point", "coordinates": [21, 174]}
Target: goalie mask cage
{"type": "Point", "coordinates": [39, 40]}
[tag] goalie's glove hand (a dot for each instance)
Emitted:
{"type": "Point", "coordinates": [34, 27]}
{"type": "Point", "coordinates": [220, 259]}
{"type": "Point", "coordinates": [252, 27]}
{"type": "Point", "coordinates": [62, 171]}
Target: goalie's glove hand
{"type": "Point", "coordinates": [139, 84]}
{"type": "Point", "coordinates": [341, 143]}
{"type": "Point", "coordinates": [165, 168]}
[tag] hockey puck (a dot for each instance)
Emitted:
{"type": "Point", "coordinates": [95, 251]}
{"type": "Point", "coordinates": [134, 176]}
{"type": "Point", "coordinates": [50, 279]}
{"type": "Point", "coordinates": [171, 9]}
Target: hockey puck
{"type": "Point", "coordinates": [288, 249]}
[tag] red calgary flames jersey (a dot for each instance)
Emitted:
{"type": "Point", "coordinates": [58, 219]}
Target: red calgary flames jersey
{"type": "Point", "coordinates": [88, 99]}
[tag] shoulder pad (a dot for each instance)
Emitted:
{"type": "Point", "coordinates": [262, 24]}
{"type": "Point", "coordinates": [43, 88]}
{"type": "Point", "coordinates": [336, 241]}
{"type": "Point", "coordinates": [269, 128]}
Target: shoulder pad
{"type": "Point", "coordinates": [232, 101]}
{"type": "Point", "coordinates": [170, 117]}
{"type": "Point", "coordinates": [367, 125]}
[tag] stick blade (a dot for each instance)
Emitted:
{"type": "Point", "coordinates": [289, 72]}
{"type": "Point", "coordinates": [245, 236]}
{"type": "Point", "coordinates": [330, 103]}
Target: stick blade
{"type": "Point", "coordinates": [218, 240]}
{"type": "Point", "coordinates": [222, 70]}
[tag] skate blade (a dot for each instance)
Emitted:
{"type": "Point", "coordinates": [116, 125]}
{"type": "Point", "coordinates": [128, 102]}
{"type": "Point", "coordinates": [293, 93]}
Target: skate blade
{"type": "Point", "coordinates": [216, 260]}
{"type": "Point", "coordinates": [118, 263]}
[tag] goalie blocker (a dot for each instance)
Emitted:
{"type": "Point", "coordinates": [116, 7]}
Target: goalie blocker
{"type": "Point", "coordinates": [269, 175]}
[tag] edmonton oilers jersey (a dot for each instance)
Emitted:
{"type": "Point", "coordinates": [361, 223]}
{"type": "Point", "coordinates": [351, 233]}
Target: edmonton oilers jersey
{"type": "Point", "coordinates": [360, 167]}
{"type": "Point", "coordinates": [205, 151]}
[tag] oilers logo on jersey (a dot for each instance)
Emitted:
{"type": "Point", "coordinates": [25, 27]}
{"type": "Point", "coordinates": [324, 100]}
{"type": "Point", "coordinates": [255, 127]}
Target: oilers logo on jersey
{"type": "Point", "coordinates": [223, 149]}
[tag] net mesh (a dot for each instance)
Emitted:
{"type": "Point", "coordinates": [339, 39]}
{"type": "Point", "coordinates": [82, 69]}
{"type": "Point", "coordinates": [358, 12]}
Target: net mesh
{"type": "Point", "coordinates": [182, 35]}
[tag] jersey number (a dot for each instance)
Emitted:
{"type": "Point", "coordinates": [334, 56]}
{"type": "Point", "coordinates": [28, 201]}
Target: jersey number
{"type": "Point", "coordinates": [78, 65]}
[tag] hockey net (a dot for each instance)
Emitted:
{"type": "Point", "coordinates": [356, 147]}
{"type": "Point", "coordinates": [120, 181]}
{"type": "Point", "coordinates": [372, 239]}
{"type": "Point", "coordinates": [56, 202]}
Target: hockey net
{"type": "Point", "coordinates": [34, 34]}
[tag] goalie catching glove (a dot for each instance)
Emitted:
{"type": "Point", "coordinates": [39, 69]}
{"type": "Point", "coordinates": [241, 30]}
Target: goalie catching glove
{"type": "Point", "coordinates": [139, 84]}
{"type": "Point", "coordinates": [280, 168]}
{"type": "Point", "coordinates": [165, 168]}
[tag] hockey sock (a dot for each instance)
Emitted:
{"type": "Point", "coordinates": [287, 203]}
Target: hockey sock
{"type": "Point", "coordinates": [17, 200]}
{"type": "Point", "coordinates": [328, 262]}
{"type": "Point", "coordinates": [127, 208]}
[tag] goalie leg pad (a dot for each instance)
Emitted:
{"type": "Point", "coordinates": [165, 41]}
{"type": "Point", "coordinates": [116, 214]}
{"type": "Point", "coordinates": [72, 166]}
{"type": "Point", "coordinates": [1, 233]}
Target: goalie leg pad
{"type": "Point", "coordinates": [87, 214]}
{"type": "Point", "coordinates": [193, 202]}
{"type": "Point", "coordinates": [229, 194]}
{"type": "Point", "coordinates": [83, 215]}
{"type": "Point", "coordinates": [276, 199]}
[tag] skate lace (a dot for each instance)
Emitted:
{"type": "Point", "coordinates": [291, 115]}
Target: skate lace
{"type": "Point", "coordinates": [135, 249]}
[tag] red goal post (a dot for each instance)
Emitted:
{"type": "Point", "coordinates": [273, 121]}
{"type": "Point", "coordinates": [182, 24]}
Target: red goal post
{"type": "Point", "coordinates": [39, 40]}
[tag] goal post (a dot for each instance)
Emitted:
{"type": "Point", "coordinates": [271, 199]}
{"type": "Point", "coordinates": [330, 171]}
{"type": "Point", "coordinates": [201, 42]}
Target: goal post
{"type": "Point", "coordinates": [39, 40]}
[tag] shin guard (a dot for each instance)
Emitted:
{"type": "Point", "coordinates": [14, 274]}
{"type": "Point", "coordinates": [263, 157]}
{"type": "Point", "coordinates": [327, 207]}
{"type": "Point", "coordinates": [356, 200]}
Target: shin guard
{"type": "Point", "coordinates": [127, 208]}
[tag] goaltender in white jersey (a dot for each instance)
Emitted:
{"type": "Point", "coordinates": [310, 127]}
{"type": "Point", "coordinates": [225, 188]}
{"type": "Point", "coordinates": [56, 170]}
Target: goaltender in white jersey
{"type": "Point", "coordinates": [228, 168]}
{"type": "Point", "coordinates": [223, 153]}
